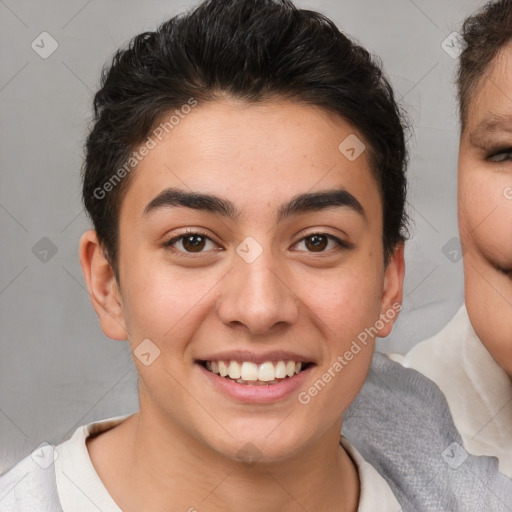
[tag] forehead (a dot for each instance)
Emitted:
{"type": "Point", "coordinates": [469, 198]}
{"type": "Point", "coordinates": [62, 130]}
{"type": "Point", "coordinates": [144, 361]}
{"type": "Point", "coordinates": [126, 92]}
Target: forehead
{"type": "Point", "coordinates": [490, 105]}
{"type": "Point", "coordinates": [256, 154]}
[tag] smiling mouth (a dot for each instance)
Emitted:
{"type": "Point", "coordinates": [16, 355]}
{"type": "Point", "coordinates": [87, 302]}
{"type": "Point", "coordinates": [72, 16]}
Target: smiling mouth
{"type": "Point", "coordinates": [252, 374]}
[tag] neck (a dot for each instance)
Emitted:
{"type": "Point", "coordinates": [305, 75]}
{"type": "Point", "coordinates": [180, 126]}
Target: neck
{"type": "Point", "coordinates": [157, 466]}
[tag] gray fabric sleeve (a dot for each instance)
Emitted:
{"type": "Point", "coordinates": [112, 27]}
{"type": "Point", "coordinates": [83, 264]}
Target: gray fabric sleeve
{"type": "Point", "coordinates": [401, 424]}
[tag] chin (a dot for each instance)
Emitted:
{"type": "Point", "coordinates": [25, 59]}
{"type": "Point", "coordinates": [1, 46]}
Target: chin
{"type": "Point", "coordinates": [259, 446]}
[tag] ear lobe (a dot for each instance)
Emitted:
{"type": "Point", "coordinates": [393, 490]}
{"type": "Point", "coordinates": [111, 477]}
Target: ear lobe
{"type": "Point", "coordinates": [102, 285]}
{"type": "Point", "coordinates": [392, 293]}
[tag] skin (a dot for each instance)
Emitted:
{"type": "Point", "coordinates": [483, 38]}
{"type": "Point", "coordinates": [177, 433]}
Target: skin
{"type": "Point", "coordinates": [289, 298]}
{"type": "Point", "coordinates": [485, 209]}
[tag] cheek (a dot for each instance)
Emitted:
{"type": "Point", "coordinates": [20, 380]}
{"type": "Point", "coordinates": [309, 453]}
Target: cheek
{"type": "Point", "coordinates": [489, 233]}
{"type": "Point", "coordinates": [345, 307]}
{"type": "Point", "coordinates": [346, 301]}
{"type": "Point", "coordinates": [485, 217]}
{"type": "Point", "coordinates": [163, 301]}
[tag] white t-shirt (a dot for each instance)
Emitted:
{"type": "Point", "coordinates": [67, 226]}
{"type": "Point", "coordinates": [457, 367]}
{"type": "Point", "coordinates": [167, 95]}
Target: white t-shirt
{"type": "Point", "coordinates": [477, 389]}
{"type": "Point", "coordinates": [63, 479]}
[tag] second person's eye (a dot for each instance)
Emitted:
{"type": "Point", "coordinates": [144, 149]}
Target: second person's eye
{"type": "Point", "coordinates": [501, 156]}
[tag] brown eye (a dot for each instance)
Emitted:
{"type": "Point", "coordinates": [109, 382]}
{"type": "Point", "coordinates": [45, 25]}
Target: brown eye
{"type": "Point", "coordinates": [194, 243]}
{"type": "Point", "coordinates": [191, 243]}
{"type": "Point", "coordinates": [322, 242]}
{"type": "Point", "coordinates": [316, 243]}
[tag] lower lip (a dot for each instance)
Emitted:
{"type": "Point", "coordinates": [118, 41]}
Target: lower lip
{"type": "Point", "coordinates": [256, 394]}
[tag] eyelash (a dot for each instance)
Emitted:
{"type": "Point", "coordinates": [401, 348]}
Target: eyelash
{"type": "Point", "coordinates": [498, 152]}
{"type": "Point", "coordinates": [189, 232]}
{"type": "Point", "coordinates": [342, 245]}
{"type": "Point", "coordinates": [503, 270]}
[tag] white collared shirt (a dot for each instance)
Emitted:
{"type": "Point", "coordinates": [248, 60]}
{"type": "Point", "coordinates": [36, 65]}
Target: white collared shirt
{"type": "Point", "coordinates": [477, 389]}
{"type": "Point", "coordinates": [77, 486]}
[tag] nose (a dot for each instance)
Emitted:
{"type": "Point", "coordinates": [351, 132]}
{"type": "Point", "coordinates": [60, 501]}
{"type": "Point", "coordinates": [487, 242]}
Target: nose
{"type": "Point", "coordinates": [257, 298]}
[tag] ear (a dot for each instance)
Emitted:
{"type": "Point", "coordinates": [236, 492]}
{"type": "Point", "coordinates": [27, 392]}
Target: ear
{"type": "Point", "coordinates": [103, 288]}
{"type": "Point", "coordinates": [392, 293]}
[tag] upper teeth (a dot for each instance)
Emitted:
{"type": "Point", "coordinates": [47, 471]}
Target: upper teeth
{"type": "Point", "coordinates": [249, 371]}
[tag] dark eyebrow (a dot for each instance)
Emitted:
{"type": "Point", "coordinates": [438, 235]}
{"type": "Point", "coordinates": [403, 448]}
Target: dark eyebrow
{"type": "Point", "coordinates": [314, 201]}
{"type": "Point", "coordinates": [491, 123]}
{"type": "Point", "coordinates": [177, 197]}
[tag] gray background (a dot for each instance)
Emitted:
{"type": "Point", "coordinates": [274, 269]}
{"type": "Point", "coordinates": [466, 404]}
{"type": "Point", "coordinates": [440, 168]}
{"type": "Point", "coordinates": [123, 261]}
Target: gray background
{"type": "Point", "coordinates": [57, 369]}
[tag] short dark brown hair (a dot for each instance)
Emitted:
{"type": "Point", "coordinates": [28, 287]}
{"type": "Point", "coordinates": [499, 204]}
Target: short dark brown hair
{"type": "Point", "coordinates": [486, 32]}
{"type": "Point", "coordinates": [253, 50]}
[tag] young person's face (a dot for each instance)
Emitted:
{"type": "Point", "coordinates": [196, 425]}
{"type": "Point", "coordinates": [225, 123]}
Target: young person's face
{"type": "Point", "coordinates": [255, 285]}
{"type": "Point", "coordinates": [485, 210]}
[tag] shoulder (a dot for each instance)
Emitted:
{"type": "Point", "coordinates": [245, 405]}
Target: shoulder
{"type": "Point", "coordinates": [375, 493]}
{"type": "Point", "coordinates": [401, 424]}
{"type": "Point", "coordinates": [53, 478]}
{"type": "Point", "coordinates": [438, 356]}
{"type": "Point", "coordinates": [31, 484]}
